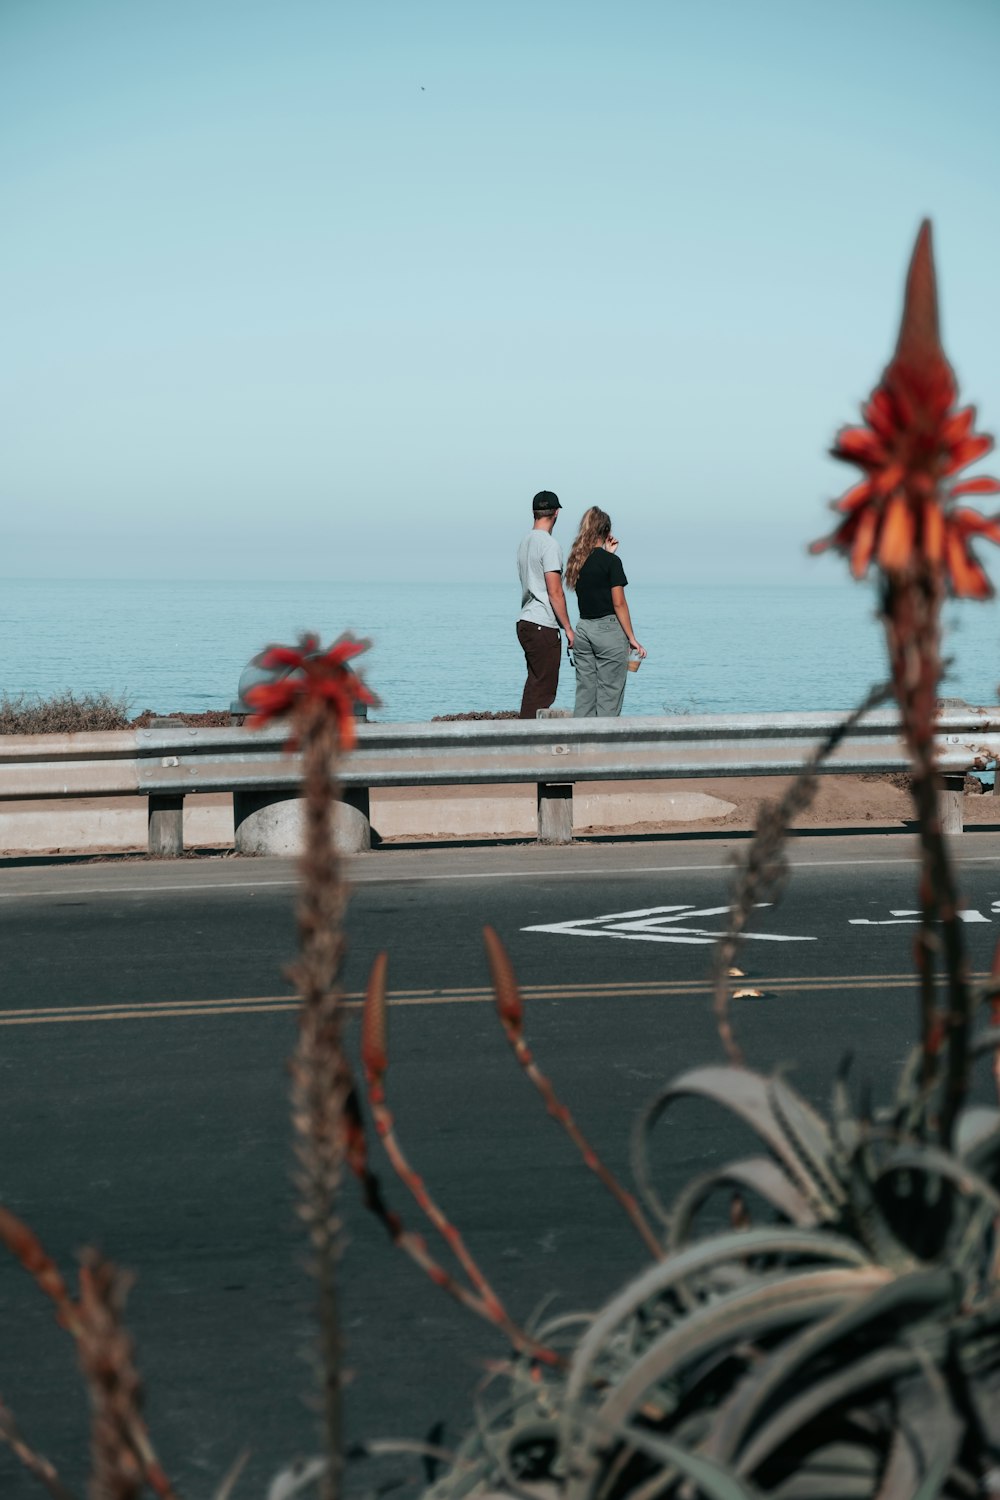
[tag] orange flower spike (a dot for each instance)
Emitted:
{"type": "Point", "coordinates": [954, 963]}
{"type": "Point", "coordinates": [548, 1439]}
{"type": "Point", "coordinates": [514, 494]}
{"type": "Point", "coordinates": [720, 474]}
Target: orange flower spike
{"type": "Point", "coordinates": [355, 1140]}
{"type": "Point", "coordinates": [857, 445]}
{"type": "Point", "coordinates": [981, 485]}
{"type": "Point", "coordinates": [510, 1006]}
{"type": "Point", "coordinates": [971, 523]}
{"type": "Point", "coordinates": [26, 1248]}
{"type": "Point", "coordinates": [895, 544]}
{"type": "Point", "coordinates": [934, 534]}
{"type": "Point", "coordinates": [900, 515]}
{"type": "Point", "coordinates": [374, 1050]}
{"type": "Point", "coordinates": [967, 577]}
{"type": "Point", "coordinates": [864, 542]}
{"type": "Point", "coordinates": [854, 498]}
{"type": "Point", "coordinates": [312, 679]}
{"type": "Point", "coordinates": [960, 425]}
{"type": "Point", "coordinates": [966, 452]}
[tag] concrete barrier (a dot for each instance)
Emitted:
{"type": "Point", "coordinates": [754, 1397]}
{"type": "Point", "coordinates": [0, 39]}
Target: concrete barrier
{"type": "Point", "coordinates": [119, 824]}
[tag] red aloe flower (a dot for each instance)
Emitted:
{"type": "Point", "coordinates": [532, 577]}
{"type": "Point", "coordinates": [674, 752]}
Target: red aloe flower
{"type": "Point", "coordinates": [312, 676]}
{"type": "Point", "coordinates": [903, 513]}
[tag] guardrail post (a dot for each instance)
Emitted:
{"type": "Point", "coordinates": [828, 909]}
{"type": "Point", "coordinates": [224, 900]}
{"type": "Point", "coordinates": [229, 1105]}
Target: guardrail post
{"type": "Point", "coordinates": [166, 824]}
{"type": "Point", "coordinates": [950, 804]}
{"type": "Point", "coordinates": [555, 812]}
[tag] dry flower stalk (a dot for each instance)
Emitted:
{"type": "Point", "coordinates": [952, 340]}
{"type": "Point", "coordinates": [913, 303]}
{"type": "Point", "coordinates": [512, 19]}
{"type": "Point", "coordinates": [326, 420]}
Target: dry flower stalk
{"type": "Point", "coordinates": [482, 1299]}
{"type": "Point", "coordinates": [765, 868]}
{"type": "Point", "coordinates": [122, 1458]}
{"type": "Point", "coordinates": [28, 1250]}
{"type": "Point", "coordinates": [510, 1008]}
{"type": "Point", "coordinates": [903, 516]}
{"type": "Point", "coordinates": [319, 691]}
{"type": "Point", "coordinates": [36, 1463]}
{"type": "Point", "coordinates": [320, 1075]}
{"type": "Point", "coordinates": [122, 1453]}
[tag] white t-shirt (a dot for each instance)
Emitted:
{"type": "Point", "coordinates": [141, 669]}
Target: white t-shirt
{"type": "Point", "coordinates": [537, 555]}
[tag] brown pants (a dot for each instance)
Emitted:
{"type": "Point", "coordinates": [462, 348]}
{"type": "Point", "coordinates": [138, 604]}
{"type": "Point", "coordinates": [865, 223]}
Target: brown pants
{"type": "Point", "coordinates": [542, 647]}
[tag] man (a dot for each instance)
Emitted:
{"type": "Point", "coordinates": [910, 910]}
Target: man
{"type": "Point", "coordinates": [543, 606]}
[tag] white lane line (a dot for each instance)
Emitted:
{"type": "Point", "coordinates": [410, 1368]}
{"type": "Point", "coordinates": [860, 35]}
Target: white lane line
{"type": "Point", "coordinates": [546, 873]}
{"type": "Point", "coordinates": [115, 890]}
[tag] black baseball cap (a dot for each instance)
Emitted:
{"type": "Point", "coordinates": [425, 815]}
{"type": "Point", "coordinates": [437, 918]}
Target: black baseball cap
{"type": "Point", "coordinates": [545, 502]}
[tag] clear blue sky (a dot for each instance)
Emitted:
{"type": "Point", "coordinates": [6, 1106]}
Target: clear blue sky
{"type": "Point", "coordinates": [333, 286]}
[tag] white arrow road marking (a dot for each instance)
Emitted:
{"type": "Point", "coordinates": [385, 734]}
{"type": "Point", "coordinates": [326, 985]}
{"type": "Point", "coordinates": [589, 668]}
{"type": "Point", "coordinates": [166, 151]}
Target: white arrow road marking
{"type": "Point", "coordinates": [905, 914]}
{"type": "Point", "coordinates": [659, 924]}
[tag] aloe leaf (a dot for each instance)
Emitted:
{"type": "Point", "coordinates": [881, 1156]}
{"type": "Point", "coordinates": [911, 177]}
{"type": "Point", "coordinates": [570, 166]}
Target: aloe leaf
{"type": "Point", "coordinates": [844, 1385]}
{"type": "Point", "coordinates": [984, 1158]}
{"type": "Point", "coordinates": [937, 1472]}
{"type": "Point", "coordinates": [906, 1298]}
{"type": "Point", "coordinates": [976, 1125]}
{"type": "Point", "coordinates": [986, 1041]}
{"type": "Point", "coordinates": [837, 1471]}
{"type": "Point", "coordinates": [808, 1133]}
{"type": "Point", "coordinates": [970, 1255]}
{"type": "Point", "coordinates": [530, 1429]}
{"type": "Point", "coordinates": [758, 1173]}
{"type": "Point", "coordinates": [297, 1479]}
{"type": "Point", "coordinates": [765, 1307]}
{"type": "Point", "coordinates": [228, 1485]}
{"type": "Point", "coordinates": [913, 1096]}
{"type": "Point", "coordinates": [825, 1485]}
{"type": "Point", "coordinates": [664, 1277]}
{"type": "Point", "coordinates": [658, 1279]}
{"type": "Point", "coordinates": [902, 1471]}
{"type": "Point", "coordinates": [925, 1410]}
{"type": "Point", "coordinates": [935, 1162]}
{"type": "Point", "coordinates": [846, 1127]}
{"type": "Point", "coordinates": [870, 1223]}
{"type": "Point", "coordinates": [713, 1482]}
{"type": "Point", "coordinates": [746, 1094]}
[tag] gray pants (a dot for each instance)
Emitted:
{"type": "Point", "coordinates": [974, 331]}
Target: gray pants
{"type": "Point", "coordinates": [600, 650]}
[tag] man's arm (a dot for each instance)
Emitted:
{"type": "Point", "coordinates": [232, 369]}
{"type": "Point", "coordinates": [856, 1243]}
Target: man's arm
{"type": "Point", "coordinates": [553, 583]}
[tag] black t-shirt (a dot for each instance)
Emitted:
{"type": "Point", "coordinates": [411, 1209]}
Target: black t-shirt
{"type": "Point", "coordinates": [601, 573]}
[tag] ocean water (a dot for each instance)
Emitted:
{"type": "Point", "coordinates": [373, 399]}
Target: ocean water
{"type": "Point", "coordinates": [451, 648]}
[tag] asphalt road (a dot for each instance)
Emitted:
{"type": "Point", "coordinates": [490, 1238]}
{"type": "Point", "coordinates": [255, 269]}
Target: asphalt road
{"type": "Point", "coordinates": [144, 1024]}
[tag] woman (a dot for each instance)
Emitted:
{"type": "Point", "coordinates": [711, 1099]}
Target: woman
{"type": "Point", "coordinates": [604, 633]}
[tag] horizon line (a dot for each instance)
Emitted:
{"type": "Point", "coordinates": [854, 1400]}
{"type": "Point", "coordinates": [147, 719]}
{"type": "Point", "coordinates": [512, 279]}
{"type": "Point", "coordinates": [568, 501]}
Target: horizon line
{"type": "Point", "coordinates": [837, 583]}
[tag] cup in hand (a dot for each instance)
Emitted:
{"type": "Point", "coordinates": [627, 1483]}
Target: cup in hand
{"type": "Point", "coordinates": [634, 661]}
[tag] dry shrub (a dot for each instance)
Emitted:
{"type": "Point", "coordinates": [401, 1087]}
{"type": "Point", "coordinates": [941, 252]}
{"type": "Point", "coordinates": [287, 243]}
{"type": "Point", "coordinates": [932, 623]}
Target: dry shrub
{"type": "Point", "coordinates": [210, 718]}
{"type": "Point", "coordinates": [507, 713]}
{"type": "Point", "coordinates": [63, 713]}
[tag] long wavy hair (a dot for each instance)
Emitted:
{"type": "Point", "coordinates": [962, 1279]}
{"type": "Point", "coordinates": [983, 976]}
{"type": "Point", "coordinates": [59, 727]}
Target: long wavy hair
{"type": "Point", "coordinates": [595, 528]}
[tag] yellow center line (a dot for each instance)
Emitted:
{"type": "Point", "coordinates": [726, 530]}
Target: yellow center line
{"type": "Point", "coordinates": [271, 1004]}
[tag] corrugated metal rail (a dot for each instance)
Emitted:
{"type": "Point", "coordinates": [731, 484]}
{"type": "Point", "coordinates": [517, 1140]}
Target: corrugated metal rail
{"type": "Point", "coordinates": [167, 762]}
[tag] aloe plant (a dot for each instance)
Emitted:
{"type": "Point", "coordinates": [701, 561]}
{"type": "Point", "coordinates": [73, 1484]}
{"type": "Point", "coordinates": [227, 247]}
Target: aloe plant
{"type": "Point", "coordinates": [848, 1347]}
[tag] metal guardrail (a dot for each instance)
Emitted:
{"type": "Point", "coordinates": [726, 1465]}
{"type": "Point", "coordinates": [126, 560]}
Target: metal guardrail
{"type": "Point", "coordinates": [167, 762]}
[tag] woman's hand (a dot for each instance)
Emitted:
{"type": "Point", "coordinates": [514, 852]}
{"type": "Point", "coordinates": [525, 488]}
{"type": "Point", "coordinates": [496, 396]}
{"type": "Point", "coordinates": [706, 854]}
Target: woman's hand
{"type": "Point", "coordinates": [611, 544]}
{"type": "Point", "coordinates": [641, 649]}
